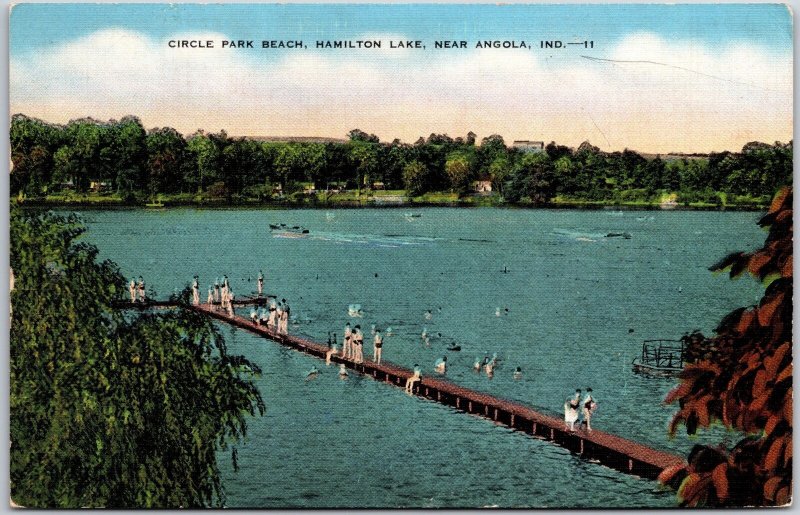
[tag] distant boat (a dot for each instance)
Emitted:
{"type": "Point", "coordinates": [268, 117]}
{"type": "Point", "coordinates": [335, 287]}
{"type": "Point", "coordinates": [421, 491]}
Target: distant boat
{"type": "Point", "coordinates": [413, 215]}
{"type": "Point", "coordinates": [154, 204]}
{"type": "Point", "coordinates": [625, 235]}
{"type": "Point", "coordinates": [296, 229]}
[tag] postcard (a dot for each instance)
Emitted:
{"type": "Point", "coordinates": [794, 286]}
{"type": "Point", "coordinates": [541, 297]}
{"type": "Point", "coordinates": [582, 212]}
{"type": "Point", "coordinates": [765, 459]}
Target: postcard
{"type": "Point", "coordinates": [400, 255]}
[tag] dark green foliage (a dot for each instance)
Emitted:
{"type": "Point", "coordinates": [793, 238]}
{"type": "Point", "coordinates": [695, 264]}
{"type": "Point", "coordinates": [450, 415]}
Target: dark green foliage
{"type": "Point", "coordinates": [134, 163]}
{"type": "Point", "coordinates": [111, 409]}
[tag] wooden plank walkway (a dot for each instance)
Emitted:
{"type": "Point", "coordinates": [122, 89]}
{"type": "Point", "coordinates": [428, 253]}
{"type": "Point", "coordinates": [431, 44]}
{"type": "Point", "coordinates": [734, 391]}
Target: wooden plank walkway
{"type": "Point", "coordinates": [610, 450]}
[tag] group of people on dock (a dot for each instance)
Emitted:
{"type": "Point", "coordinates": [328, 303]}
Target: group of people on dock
{"type": "Point", "coordinates": [136, 291]}
{"type": "Point", "coordinates": [220, 294]}
{"type": "Point", "coordinates": [353, 344]}
{"type": "Point", "coordinates": [574, 407]}
{"type": "Point", "coordinates": [275, 316]}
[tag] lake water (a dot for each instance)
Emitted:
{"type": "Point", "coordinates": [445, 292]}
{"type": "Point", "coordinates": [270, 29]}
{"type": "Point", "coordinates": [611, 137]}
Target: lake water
{"type": "Point", "coordinates": [579, 305]}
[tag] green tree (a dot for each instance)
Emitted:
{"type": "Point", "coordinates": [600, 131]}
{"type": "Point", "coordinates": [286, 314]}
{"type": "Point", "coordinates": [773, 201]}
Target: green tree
{"type": "Point", "coordinates": [364, 157]}
{"type": "Point", "coordinates": [168, 161]}
{"type": "Point", "coordinates": [533, 178]}
{"type": "Point", "coordinates": [414, 178]}
{"type": "Point", "coordinates": [459, 171]}
{"type": "Point", "coordinates": [359, 135]}
{"type": "Point", "coordinates": [110, 409]}
{"type": "Point", "coordinates": [207, 152]}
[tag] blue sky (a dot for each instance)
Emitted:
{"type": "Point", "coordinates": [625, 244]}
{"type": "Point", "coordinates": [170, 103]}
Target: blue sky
{"type": "Point", "coordinates": [699, 67]}
{"type": "Point", "coordinates": [34, 26]}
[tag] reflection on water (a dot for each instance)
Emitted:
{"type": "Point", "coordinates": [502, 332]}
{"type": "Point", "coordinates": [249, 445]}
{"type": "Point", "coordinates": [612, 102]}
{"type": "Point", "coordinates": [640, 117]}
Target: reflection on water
{"type": "Point", "coordinates": [576, 316]}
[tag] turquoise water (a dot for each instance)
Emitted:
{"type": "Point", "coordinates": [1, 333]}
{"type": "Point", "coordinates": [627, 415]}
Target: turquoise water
{"type": "Point", "coordinates": [573, 296]}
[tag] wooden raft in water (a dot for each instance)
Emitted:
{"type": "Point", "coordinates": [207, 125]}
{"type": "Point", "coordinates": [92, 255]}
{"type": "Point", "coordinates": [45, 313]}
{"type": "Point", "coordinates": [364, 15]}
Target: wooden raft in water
{"type": "Point", "coordinates": [610, 450]}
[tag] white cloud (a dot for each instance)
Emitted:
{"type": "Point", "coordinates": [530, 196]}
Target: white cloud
{"type": "Point", "coordinates": [696, 98]}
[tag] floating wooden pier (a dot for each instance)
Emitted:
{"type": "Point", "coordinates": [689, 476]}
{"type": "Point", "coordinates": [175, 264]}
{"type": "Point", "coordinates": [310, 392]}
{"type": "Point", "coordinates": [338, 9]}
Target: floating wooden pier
{"type": "Point", "coordinates": [610, 450]}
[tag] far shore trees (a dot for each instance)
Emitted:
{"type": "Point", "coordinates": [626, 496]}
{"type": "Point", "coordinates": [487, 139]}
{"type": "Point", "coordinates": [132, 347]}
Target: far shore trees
{"type": "Point", "coordinates": [122, 158]}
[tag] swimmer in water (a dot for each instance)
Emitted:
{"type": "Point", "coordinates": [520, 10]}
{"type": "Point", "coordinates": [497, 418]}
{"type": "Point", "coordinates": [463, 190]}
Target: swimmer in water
{"type": "Point", "coordinates": [477, 364]}
{"type": "Point", "coordinates": [518, 373]}
{"type": "Point", "coordinates": [428, 315]}
{"type": "Point", "coordinates": [342, 371]}
{"type": "Point", "coordinates": [388, 331]}
{"type": "Point", "coordinates": [253, 316]}
{"type": "Point", "coordinates": [497, 312]}
{"type": "Point", "coordinates": [441, 365]}
{"type": "Point", "coordinates": [312, 373]}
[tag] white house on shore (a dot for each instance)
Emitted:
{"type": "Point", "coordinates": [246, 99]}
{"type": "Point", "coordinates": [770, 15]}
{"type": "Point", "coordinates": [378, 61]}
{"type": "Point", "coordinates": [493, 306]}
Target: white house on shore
{"type": "Point", "coordinates": [482, 186]}
{"type": "Point", "coordinates": [532, 147]}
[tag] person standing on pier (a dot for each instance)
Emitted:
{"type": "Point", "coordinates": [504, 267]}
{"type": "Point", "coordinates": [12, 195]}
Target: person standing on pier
{"type": "Point", "coordinates": [195, 292]}
{"type": "Point", "coordinates": [260, 283]}
{"type": "Point", "coordinates": [413, 379]}
{"type": "Point", "coordinates": [347, 349]}
{"type": "Point", "coordinates": [217, 297]}
{"type": "Point", "coordinates": [132, 290]}
{"type": "Point", "coordinates": [377, 343]}
{"type": "Point", "coordinates": [571, 408]}
{"type": "Point", "coordinates": [253, 315]}
{"type": "Point", "coordinates": [141, 290]}
{"type": "Point", "coordinates": [210, 298]}
{"type": "Point", "coordinates": [589, 405]}
{"type": "Point", "coordinates": [278, 318]}
{"type": "Point", "coordinates": [273, 314]}
{"type": "Point", "coordinates": [287, 312]}
{"type": "Point", "coordinates": [231, 296]}
{"type": "Point", "coordinates": [358, 345]}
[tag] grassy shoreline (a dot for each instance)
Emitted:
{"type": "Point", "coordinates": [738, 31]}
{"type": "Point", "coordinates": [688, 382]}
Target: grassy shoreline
{"type": "Point", "coordinates": [353, 200]}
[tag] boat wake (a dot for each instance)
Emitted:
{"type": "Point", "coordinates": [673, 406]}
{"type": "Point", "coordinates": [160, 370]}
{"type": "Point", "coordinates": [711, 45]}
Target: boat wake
{"type": "Point", "coordinates": [590, 236]}
{"type": "Point", "coordinates": [371, 240]}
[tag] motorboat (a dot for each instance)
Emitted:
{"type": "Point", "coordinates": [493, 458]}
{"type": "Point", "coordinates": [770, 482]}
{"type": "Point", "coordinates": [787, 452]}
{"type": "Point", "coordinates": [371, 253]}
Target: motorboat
{"type": "Point", "coordinates": [296, 229]}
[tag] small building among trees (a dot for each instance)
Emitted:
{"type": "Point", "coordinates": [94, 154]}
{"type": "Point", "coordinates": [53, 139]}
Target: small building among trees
{"type": "Point", "coordinates": [526, 146]}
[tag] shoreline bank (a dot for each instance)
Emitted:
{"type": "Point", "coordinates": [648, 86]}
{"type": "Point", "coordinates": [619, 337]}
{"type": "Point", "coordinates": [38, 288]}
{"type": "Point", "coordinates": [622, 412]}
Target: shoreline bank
{"type": "Point", "coordinates": [93, 204]}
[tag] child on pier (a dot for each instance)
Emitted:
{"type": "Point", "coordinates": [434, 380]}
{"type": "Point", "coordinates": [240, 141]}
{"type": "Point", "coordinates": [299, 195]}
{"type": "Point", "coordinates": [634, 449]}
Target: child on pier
{"type": "Point", "coordinates": [132, 290]}
{"type": "Point", "coordinates": [413, 379]}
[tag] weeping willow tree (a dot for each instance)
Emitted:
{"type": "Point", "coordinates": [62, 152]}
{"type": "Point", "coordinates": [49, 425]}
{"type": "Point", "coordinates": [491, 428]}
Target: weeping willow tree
{"type": "Point", "coordinates": [742, 378]}
{"type": "Point", "coordinates": [111, 409]}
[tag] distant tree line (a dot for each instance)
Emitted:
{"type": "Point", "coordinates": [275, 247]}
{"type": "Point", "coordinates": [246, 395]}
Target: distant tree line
{"type": "Point", "coordinates": [124, 158]}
